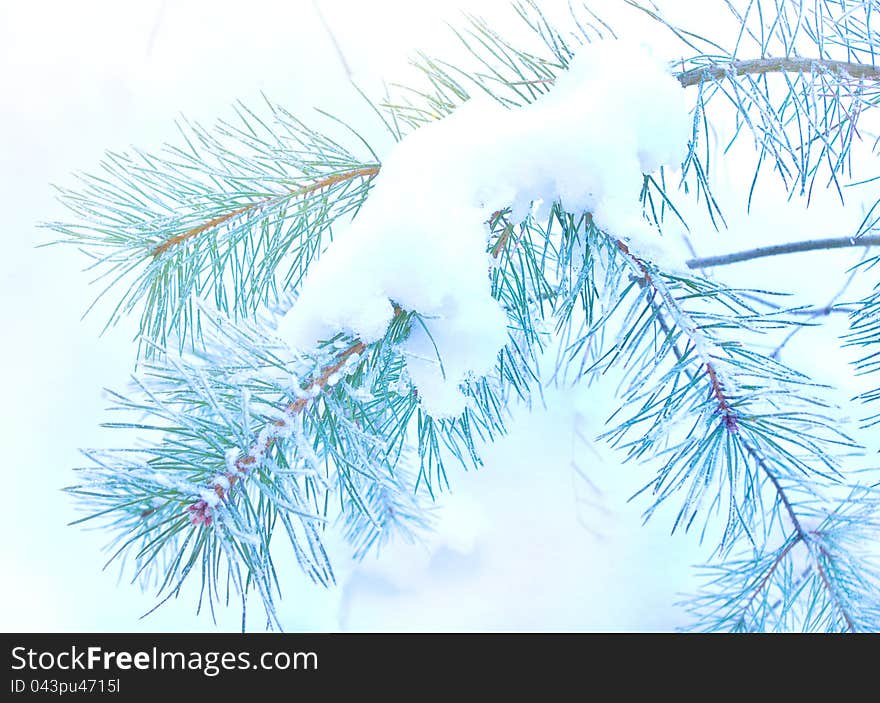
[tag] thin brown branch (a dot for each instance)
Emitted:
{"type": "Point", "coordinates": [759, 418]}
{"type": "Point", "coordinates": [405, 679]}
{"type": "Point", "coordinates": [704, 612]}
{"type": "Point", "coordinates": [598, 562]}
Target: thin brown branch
{"type": "Point", "coordinates": [772, 570]}
{"type": "Point", "coordinates": [326, 182]}
{"type": "Point", "coordinates": [160, 249]}
{"type": "Point", "coordinates": [759, 67]}
{"type": "Point", "coordinates": [295, 407]}
{"type": "Point", "coordinates": [789, 248]}
{"type": "Point", "coordinates": [832, 306]}
{"type": "Point", "coordinates": [725, 410]}
{"type": "Point", "coordinates": [200, 511]}
{"type": "Point", "coordinates": [758, 458]}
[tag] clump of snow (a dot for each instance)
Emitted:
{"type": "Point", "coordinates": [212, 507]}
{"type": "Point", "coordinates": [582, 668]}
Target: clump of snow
{"type": "Point", "coordinates": [420, 240]}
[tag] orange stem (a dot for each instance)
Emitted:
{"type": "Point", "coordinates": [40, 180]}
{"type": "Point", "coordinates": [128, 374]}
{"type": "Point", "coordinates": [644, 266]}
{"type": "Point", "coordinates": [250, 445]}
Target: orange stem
{"type": "Point", "coordinates": [327, 182]}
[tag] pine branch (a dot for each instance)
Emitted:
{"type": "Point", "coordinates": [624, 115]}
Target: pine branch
{"type": "Point", "coordinates": [327, 182]}
{"type": "Point", "coordinates": [817, 552]}
{"type": "Point", "coordinates": [201, 509]}
{"type": "Point", "coordinates": [234, 196]}
{"type": "Point", "coordinates": [835, 591]}
{"type": "Point", "coordinates": [252, 436]}
{"type": "Point", "coordinates": [254, 228]}
{"type": "Point", "coordinates": [730, 420]}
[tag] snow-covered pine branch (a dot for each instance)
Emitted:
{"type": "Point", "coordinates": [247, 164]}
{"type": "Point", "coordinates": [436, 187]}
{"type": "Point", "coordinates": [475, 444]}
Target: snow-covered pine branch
{"type": "Point", "coordinates": [292, 382]}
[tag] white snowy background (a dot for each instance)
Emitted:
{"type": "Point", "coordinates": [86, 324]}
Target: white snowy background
{"type": "Point", "coordinates": [527, 543]}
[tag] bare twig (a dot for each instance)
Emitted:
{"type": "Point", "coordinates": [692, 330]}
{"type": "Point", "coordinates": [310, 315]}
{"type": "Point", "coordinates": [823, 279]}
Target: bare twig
{"type": "Point", "coordinates": [819, 312]}
{"type": "Point", "coordinates": [790, 248]}
{"type": "Point", "coordinates": [758, 67]}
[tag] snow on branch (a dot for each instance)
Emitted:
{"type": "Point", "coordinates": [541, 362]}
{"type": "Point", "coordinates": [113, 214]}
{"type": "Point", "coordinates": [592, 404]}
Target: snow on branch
{"type": "Point", "coordinates": [420, 239]}
{"type": "Point", "coordinates": [330, 379]}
